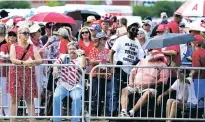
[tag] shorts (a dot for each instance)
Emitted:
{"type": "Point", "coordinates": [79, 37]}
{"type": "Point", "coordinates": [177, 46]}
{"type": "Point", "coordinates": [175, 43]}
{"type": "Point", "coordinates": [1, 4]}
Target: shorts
{"type": "Point", "coordinates": [141, 90]}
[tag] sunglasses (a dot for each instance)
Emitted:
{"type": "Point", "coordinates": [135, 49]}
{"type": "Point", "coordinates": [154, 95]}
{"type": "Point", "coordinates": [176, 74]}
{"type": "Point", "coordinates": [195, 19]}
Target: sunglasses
{"type": "Point", "coordinates": [140, 33]}
{"type": "Point", "coordinates": [25, 33]}
{"type": "Point", "coordinates": [134, 30]}
{"type": "Point", "coordinates": [104, 38]}
{"type": "Point", "coordinates": [12, 34]}
{"type": "Point", "coordinates": [85, 32]}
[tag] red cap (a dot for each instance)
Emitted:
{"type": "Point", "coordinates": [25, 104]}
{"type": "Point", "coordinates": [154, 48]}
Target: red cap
{"type": "Point", "coordinates": [162, 27]}
{"type": "Point", "coordinates": [199, 40]}
{"type": "Point", "coordinates": [13, 30]}
{"type": "Point", "coordinates": [95, 22]}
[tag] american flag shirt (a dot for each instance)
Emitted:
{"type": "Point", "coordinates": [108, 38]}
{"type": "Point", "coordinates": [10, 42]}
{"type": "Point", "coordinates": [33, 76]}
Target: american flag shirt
{"type": "Point", "coordinates": [70, 76]}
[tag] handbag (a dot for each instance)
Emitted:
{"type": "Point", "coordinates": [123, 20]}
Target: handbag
{"type": "Point", "coordinates": [25, 51]}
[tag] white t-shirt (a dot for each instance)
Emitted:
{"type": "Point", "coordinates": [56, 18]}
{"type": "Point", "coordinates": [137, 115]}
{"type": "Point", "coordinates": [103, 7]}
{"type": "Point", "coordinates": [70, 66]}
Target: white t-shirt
{"type": "Point", "coordinates": [126, 51]}
{"type": "Point", "coordinates": [183, 88]}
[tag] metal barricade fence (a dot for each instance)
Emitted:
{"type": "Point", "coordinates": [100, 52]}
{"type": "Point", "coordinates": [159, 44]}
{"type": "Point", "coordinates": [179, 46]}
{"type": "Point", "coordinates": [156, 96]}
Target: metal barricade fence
{"type": "Point", "coordinates": [23, 85]}
{"type": "Point", "coordinates": [114, 99]}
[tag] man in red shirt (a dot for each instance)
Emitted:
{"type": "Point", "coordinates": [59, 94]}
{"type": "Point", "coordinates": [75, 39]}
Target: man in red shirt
{"type": "Point", "coordinates": [174, 24]}
{"type": "Point", "coordinates": [198, 57]}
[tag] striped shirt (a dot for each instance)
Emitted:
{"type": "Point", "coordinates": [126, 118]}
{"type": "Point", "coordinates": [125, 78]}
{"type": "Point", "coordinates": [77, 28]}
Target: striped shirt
{"type": "Point", "coordinates": [70, 75]}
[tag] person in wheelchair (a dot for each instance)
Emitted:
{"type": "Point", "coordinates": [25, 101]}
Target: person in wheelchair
{"type": "Point", "coordinates": [185, 98]}
{"type": "Point", "coordinates": [144, 81]}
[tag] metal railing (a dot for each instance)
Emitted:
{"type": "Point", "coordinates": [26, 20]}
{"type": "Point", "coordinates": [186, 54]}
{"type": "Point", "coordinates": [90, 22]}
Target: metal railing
{"type": "Point", "coordinates": [149, 111]}
{"type": "Point", "coordinates": [41, 110]}
{"type": "Point", "coordinates": [105, 103]}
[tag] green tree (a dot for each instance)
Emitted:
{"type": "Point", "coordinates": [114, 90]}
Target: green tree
{"type": "Point", "coordinates": [160, 6]}
{"type": "Point", "coordinates": [95, 2]}
{"type": "Point", "coordinates": [54, 3]}
{"type": "Point", "coordinates": [14, 4]}
{"type": "Point", "coordinates": [166, 6]}
{"type": "Point", "coordinates": [143, 11]}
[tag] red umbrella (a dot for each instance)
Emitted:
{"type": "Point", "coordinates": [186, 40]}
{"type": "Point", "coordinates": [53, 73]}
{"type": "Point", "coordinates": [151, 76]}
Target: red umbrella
{"type": "Point", "coordinates": [53, 17]}
{"type": "Point", "coordinates": [17, 19]}
{"type": "Point", "coordinates": [192, 8]}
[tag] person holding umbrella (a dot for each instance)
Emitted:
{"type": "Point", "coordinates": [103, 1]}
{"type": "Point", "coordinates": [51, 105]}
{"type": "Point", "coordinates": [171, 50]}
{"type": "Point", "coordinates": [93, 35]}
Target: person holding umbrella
{"type": "Point", "coordinates": [198, 57]}
{"type": "Point", "coordinates": [174, 24]}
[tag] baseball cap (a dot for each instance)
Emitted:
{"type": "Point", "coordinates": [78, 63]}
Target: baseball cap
{"type": "Point", "coordinates": [134, 24]}
{"type": "Point", "coordinates": [91, 18]}
{"type": "Point", "coordinates": [149, 22]}
{"type": "Point", "coordinates": [199, 40]}
{"type": "Point", "coordinates": [62, 32]}
{"type": "Point", "coordinates": [13, 30]}
{"type": "Point", "coordinates": [164, 14]}
{"type": "Point", "coordinates": [95, 27]}
{"type": "Point", "coordinates": [148, 18]}
{"type": "Point", "coordinates": [49, 25]}
{"type": "Point", "coordinates": [34, 28]}
{"type": "Point", "coordinates": [162, 27]}
{"type": "Point", "coordinates": [100, 35]}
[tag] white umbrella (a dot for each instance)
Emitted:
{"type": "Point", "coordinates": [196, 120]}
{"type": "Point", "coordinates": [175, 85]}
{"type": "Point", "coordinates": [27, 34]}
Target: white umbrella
{"type": "Point", "coordinates": [192, 8]}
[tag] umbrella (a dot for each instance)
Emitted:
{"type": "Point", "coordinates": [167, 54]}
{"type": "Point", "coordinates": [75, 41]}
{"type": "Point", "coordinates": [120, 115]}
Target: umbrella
{"type": "Point", "coordinates": [53, 17]}
{"type": "Point", "coordinates": [169, 39]}
{"type": "Point", "coordinates": [192, 8]}
{"type": "Point", "coordinates": [83, 14]}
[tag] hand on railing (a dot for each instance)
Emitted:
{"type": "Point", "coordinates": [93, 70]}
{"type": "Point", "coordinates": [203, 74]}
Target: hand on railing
{"type": "Point", "coordinates": [159, 99]}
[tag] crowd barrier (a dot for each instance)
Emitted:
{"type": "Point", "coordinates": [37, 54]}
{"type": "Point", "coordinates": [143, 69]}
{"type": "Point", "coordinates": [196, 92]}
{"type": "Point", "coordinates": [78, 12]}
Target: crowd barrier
{"type": "Point", "coordinates": [150, 110]}
{"type": "Point", "coordinates": [101, 97]}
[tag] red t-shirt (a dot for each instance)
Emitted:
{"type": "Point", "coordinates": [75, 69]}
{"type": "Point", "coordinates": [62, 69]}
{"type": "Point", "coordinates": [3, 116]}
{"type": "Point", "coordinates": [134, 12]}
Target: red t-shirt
{"type": "Point", "coordinates": [5, 48]}
{"type": "Point", "coordinates": [63, 47]}
{"type": "Point", "coordinates": [174, 26]}
{"type": "Point", "coordinates": [176, 59]}
{"type": "Point", "coordinates": [198, 60]}
{"type": "Point", "coordinates": [87, 49]}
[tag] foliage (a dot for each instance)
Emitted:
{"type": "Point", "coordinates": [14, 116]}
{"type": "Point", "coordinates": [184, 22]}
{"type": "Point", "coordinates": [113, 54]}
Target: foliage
{"type": "Point", "coordinates": [94, 2]}
{"type": "Point", "coordinates": [14, 4]}
{"type": "Point", "coordinates": [54, 3]}
{"type": "Point", "coordinates": [160, 6]}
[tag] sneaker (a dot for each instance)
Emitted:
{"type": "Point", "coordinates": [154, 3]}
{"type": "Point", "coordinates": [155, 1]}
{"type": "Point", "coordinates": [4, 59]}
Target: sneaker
{"type": "Point", "coordinates": [124, 114]}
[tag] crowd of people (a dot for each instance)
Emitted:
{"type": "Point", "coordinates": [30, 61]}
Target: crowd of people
{"type": "Point", "coordinates": [105, 41]}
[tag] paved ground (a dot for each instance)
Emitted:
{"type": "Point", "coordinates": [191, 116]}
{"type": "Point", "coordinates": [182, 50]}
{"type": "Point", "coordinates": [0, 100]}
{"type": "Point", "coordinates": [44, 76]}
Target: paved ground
{"type": "Point", "coordinates": [43, 120]}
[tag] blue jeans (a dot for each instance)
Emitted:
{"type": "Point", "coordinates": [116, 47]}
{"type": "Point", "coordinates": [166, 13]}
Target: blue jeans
{"type": "Point", "coordinates": [59, 94]}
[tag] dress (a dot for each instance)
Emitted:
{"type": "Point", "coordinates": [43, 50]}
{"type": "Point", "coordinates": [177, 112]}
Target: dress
{"type": "Point", "coordinates": [24, 76]}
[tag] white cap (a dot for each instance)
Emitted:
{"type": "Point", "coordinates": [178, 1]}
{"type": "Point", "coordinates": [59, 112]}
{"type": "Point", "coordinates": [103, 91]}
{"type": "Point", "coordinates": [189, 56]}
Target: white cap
{"type": "Point", "coordinates": [91, 18]}
{"type": "Point", "coordinates": [34, 28]}
{"type": "Point", "coordinates": [62, 32]}
{"type": "Point", "coordinates": [164, 14]}
{"type": "Point", "coordinates": [149, 22]}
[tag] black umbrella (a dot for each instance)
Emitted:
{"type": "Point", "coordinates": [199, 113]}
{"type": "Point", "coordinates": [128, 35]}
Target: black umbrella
{"type": "Point", "coordinates": [83, 14]}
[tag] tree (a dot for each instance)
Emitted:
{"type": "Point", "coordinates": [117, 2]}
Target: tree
{"type": "Point", "coordinates": [14, 4]}
{"type": "Point", "coordinates": [160, 6]}
{"type": "Point", "coordinates": [54, 3]}
{"type": "Point", "coordinates": [143, 11]}
{"type": "Point", "coordinates": [166, 6]}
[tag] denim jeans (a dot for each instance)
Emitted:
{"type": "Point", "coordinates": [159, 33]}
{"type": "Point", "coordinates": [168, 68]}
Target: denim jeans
{"type": "Point", "coordinates": [59, 94]}
{"type": "Point", "coordinates": [99, 88]}
{"type": "Point", "coordinates": [118, 83]}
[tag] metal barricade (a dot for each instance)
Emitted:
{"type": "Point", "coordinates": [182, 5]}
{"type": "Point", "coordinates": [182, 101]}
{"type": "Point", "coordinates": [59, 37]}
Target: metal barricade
{"type": "Point", "coordinates": [142, 101]}
{"type": "Point", "coordinates": [24, 91]}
